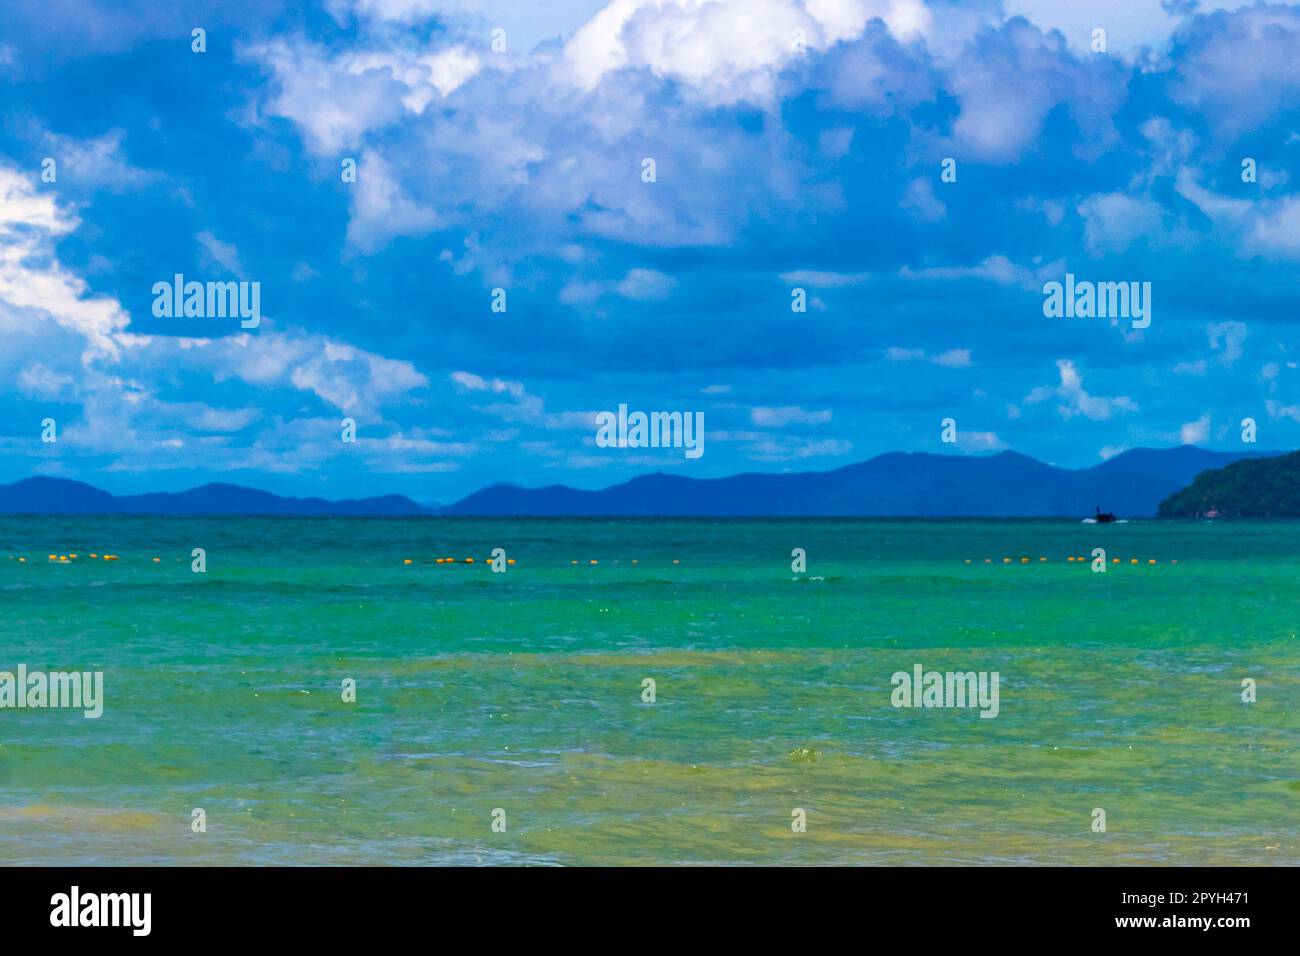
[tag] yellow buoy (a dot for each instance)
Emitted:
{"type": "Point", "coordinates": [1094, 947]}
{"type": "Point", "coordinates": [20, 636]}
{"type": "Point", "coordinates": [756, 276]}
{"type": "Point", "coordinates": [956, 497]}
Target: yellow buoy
{"type": "Point", "coordinates": [1042, 559]}
{"type": "Point", "coordinates": [406, 560]}
{"type": "Point", "coordinates": [1070, 558]}
{"type": "Point", "coordinates": [22, 560]}
{"type": "Point", "coordinates": [593, 561]}
{"type": "Point", "coordinates": [157, 560]}
{"type": "Point", "coordinates": [1132, 560]}
{"type": "Point", "coordinates": [469, 560]}
{"type": "Point", "coordinates": [94, 555]}
{"type": "Point", "coordinates": [54, 557]}
{"type": "Point", "coordinates": [510, 560]}
{"type": "Point", "coordinates": [1151, 561]}
{"type": "Point", "coordinates": [1024, 560]}
{"type": "Point", "coordinates": [1114, 560]}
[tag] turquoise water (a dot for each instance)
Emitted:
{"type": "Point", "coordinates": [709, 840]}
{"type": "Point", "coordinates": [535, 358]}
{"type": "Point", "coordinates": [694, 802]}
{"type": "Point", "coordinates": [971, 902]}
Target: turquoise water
{"type": "Point", "coordinates": [522, 692]}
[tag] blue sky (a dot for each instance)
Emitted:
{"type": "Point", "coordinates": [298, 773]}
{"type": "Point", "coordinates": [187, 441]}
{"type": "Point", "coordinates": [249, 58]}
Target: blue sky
{"type": "Point", "coordinates": [776, 168]}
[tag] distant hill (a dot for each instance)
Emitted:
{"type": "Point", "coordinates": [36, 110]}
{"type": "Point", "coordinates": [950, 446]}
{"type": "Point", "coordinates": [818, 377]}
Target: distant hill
{"type": "Point", "coordinates": [61, 496]}
{"type": "Point", "coordinates": [1262, 488]}
{"type": "Point", "coordinates": [1131, 484]}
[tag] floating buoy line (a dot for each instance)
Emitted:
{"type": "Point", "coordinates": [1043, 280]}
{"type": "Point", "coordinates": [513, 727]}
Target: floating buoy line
{"type": "Point", "coordinates": [72, 557]}
{"type": "Point", "coordinates": [573, 563]}
{"type": "Point", "coordinates": [1069, 559]}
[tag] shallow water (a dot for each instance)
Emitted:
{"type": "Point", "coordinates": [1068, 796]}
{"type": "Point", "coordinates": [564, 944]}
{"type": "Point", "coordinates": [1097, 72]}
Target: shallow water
{"type": "Point", "coordinates": [522, 691]}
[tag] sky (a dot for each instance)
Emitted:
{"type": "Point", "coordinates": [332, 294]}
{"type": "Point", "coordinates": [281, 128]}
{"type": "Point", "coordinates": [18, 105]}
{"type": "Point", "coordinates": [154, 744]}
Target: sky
{"type": "Point", "coordinates": [799, 152]}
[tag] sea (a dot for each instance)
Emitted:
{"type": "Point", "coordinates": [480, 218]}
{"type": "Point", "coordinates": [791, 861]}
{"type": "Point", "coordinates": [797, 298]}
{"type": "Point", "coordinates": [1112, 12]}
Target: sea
{"type": "Point", "coordinates": [651, 692]}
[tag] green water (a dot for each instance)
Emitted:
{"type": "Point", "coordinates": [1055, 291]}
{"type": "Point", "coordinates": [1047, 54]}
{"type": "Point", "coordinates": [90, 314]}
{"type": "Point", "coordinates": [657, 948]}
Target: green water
{"type": "Point", "coordinates": [522, 691]}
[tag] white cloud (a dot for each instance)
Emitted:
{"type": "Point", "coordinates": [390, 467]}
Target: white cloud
{"type": "Point", "coordinates": [788, 415]}
{"type": "Point", "coordinates": [38, 381]}
{"type": "Point", "coordinates": [995, 268]}
{"type": "Point", "coordinates": [644, 284]}
{"type": "Point", "coordinates": [1114, 221]}
{"type": "Point", "coordinates": [32, 281]}
{"type": "Point", "coordinates": [64, 344]}
{"type": "Point", "coordinates": [97, 162]}
{"type": "Point", "coordinates": [920, 200]}
{"type": "Point", "coordinates": [638, 285]}
{"type": "Point", "coordinates": [523, 408]}
{"type": "Point", "coordinates": [353, 380]}
{"type": "Point", "coordinates": [952, 358]}
{"type": "Point", "coordinates": [331, 103]}
{"type": "Point", "coordinates": [1227, 337]}
{"type": "Point", "coordinates": [1237, 72]}
{"type": "Point", "coordinates": [1268, 228]}
{"type": "Point", "coordinates": [222, 254]}
{"type": "Point", "coordinates": [477, 383]}
{"type": "Point", "coordinates": [380, 208]}
{"type": "Point", "coordinates": [526, 24]}
{"type": "Point", "coordinates": [723, 51]}
{"type": "Point", "coordinates": [824, 280]}
{"type": "Point", "coordinates": [1074, 400]}
{"type": "Point", "coordinates": [789, 448]}
{"type": "Point", "coordinates": [1008, 82]}
{"type": "Point", "coordinates": [1278, 410]}
{"type": "Point", "coordinates": [979, 441]}
{"type": "Point", "coordinates": [1193, 433]}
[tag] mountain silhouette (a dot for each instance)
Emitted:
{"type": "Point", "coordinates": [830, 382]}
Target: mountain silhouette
{"type": "Point", "coordinates": [43, 495]}
{"type": "Point", "coordinates": [901, 484]}
{"type": "Point", "coordinates": [1131, 484]}
{"type": "Point", "coordinates": [1260, 488]}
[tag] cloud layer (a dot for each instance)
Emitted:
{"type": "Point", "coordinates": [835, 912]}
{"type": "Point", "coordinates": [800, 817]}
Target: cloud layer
{"type": "Point", "coordinates": [824, 223]}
